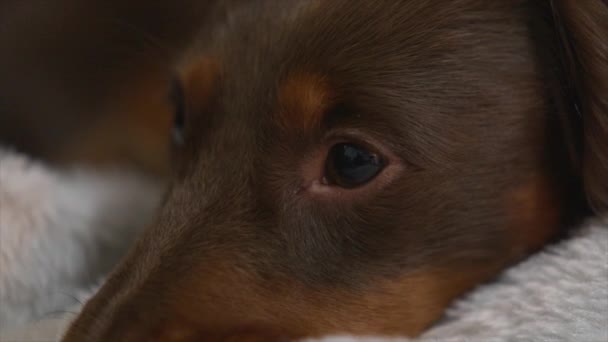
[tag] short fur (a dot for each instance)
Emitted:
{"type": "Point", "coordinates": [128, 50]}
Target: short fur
{"type": "Point", "coordinates": [473, 103]}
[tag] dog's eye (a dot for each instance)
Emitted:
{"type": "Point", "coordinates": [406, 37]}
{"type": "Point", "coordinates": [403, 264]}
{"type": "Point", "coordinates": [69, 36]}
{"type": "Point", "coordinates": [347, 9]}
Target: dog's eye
{"type": "Point", "coordinates": [349, 165]}
{"type": "Point", "coordinates": [176, 96]}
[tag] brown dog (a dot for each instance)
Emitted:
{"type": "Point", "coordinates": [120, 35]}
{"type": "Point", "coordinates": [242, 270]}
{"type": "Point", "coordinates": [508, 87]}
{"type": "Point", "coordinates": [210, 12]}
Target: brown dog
{"type": "Point", "coordinates": [353, 166]}
{"type": "Point", "coordinates": [86, 81]}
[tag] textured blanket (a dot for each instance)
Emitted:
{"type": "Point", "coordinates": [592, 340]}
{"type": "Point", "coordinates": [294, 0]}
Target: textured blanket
{"type": "Point", "coordinates": [61, 230]}
{"type": "Point", "coordinates": [54, 226]}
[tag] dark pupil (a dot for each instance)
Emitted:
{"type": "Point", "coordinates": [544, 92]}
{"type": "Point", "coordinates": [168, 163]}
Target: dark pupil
{"type": "Point", "coordinates": [350, 165]}
{"type": "Point", "coordinates": [176, 97]}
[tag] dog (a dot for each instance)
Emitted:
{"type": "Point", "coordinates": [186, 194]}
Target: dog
{"type": "Point", "coordinates": [352, 167]}
{"type": "Point", "coordinates": [98, 71]}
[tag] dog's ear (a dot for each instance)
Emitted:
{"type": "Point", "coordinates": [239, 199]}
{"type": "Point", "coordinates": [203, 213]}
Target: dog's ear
{"type": "Point", "coordinates": [582, 30]}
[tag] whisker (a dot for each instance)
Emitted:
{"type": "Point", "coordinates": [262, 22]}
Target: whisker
{"type": "Point", "coordinates": [55, 314]}
{"type": "Point", "coordinates": [76, 299]}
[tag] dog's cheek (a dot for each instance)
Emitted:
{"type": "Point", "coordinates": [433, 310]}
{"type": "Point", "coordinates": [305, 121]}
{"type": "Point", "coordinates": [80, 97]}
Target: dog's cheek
{"type": "Point", "coordinates": [229, 305]}
{"type": "Point", "coordinates": [534, 214]}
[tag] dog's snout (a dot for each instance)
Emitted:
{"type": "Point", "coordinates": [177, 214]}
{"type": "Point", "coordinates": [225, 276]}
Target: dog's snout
{"type": "Point", "coordinates": [133, 321]}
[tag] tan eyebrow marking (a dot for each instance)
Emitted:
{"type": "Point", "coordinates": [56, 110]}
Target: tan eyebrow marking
{"type": "Point", "coordinates": [303, 99]}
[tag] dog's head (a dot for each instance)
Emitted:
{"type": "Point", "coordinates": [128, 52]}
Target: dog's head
{"type": "Point", "coordinates": [351, 167]}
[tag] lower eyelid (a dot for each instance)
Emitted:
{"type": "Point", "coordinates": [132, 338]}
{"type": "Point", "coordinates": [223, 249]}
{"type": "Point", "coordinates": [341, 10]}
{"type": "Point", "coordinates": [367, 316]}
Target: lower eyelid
{"type": "Point", "coordinates": [316, 189]}
{"type": "Point", "coordinates": [357, 136]}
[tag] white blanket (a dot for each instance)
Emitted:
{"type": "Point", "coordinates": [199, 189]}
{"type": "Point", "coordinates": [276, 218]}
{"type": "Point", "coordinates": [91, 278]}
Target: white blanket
{"type": "Point", "coordinates": [560, 294]}
{"type": "Point", "coordinates": [60, 231]}
{"type": "Point", "coordinates": [54, 226]}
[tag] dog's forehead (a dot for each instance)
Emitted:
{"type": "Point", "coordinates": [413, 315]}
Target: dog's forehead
{"type": "Point", "coordinates": [421, 76]}
{"type": "Point", "coordinates": [411, 63]}
{"type": "Point", "coordinates": [379, 43]}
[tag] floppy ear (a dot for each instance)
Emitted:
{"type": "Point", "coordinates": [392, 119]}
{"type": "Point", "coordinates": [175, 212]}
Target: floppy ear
{"type": "Point", "coordinates": [582, 27]}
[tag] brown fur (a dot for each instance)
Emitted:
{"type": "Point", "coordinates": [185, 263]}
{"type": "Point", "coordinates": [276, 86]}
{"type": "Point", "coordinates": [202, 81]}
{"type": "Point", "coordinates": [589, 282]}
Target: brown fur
{"type": "Point", "coordinates": [535, 213]}
{"type": "Point", "coordinates": [134, 131]}
{"type": "Point", "coordinates": [199, 78]}
{"type": "Point", "coordinates": [85, 81]}
{"type": "Point", "coordinates": [473, 104]}
{"type": "Point", "coordinates": [303, 100]}
{"type": "Point", "coordinates": [582, 27]}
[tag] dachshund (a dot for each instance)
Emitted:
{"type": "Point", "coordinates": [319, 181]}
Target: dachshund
{"type": "Point", "coordinates": [352, 166]}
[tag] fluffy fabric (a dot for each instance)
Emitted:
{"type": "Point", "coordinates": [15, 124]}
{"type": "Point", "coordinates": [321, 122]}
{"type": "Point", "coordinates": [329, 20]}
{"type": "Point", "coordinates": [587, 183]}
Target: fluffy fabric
{"type": "Point", "coordinates": [69, 220]}
{"type": "Point", "coordinates": [62, 230]}
{"type": "Point", "coordinates": [560, 294]}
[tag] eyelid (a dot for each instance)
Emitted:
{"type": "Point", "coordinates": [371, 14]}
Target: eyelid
{"type": "Point", "coordinates": [367, 141]}
{"type": "Point", "coordinates": [340, 125]}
